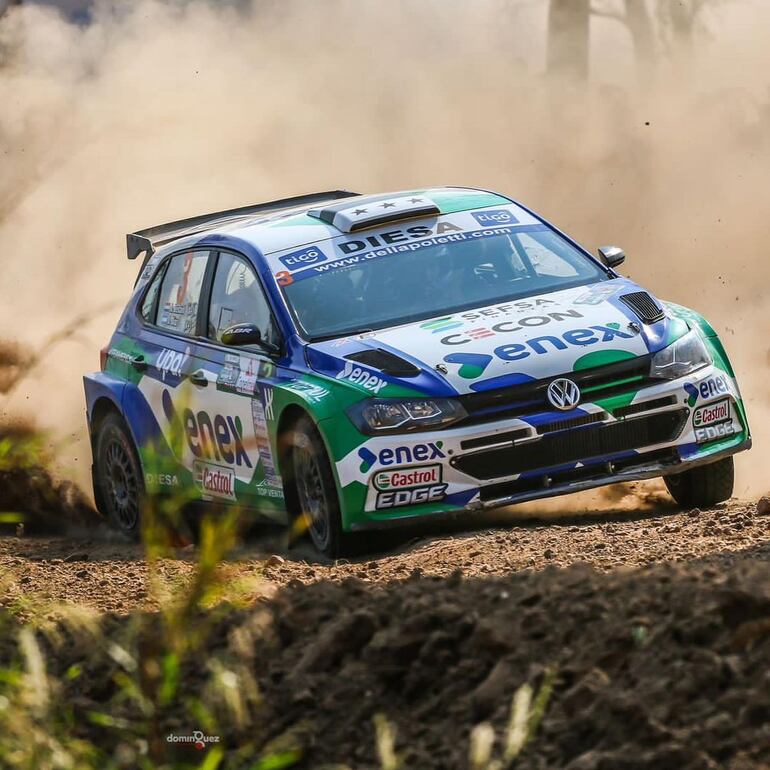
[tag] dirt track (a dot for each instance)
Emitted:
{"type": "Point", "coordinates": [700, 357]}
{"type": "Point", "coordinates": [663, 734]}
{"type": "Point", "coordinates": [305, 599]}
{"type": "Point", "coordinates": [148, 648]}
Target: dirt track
{"type": "Point", "coordinates": [657, 630]}
{"type": "Point", "coordinates": [96, 570]}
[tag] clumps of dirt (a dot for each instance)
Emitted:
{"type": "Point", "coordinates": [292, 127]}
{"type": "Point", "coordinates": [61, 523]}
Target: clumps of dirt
{"type": "Point", "coordinates": [32, 499]}
{"type": "Point", "coordinates": [14, 363]}
{"type": "Point", "coordinates": [663, 667]}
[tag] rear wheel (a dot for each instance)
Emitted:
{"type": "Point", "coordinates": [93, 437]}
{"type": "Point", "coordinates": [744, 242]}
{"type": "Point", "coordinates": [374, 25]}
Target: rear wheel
{"type": "Point", "coordinates": [316, 491]}
{"type": "Point", "coordinates": [118, 476]}
{"type": "Point", "coordinates": [703, 486]}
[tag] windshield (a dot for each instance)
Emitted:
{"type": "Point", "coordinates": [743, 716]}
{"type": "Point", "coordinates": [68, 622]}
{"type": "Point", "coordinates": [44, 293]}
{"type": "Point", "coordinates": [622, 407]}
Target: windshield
{"type": "Point", "coordinates": [379, 290]}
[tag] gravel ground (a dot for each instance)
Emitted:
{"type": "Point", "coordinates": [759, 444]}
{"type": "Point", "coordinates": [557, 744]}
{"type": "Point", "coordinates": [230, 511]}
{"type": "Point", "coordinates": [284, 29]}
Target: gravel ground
{"type": "Point", "coordinates": [94, 569]}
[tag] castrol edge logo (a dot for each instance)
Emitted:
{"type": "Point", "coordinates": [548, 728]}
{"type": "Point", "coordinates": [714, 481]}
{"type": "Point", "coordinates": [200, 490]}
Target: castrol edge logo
{"type": "Point", "coordinates": [407, 478]}
{"type": "Point", "coordinates": [214, 480]}
{"type": "Point", "coordinates": [710, 414]}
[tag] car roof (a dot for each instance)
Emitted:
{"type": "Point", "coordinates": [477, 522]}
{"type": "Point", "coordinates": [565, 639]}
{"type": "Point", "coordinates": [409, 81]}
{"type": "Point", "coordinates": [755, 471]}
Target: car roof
{"type": "Point", "coordinates": [301, 225]}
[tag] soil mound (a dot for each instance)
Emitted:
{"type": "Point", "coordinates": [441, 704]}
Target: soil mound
{"type": "Point", "coordinates": [662, 667]}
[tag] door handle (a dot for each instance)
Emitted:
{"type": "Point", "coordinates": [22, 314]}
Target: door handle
{"type": "Point", "coordinates": [199, 378]}
{"type": "Point", "coordinates": [139, 363]}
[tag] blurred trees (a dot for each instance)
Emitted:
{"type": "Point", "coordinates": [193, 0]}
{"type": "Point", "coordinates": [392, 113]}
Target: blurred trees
{"type": "Point", "coordinates": [655, 26]}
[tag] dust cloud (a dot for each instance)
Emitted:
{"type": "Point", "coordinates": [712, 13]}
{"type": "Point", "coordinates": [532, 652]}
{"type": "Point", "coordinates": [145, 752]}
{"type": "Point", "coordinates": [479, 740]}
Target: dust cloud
{"type": "Point", "coordinates": [156, 111]}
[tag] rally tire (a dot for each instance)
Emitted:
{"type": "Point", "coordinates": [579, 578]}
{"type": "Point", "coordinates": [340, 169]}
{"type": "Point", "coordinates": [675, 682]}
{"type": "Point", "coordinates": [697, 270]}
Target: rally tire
{"type": "Point", "coordinates": [703, 486]}
{"type": "Point", "coordinates": [118, 481]}
{"type": "Point", "coordinates": [318, 504]}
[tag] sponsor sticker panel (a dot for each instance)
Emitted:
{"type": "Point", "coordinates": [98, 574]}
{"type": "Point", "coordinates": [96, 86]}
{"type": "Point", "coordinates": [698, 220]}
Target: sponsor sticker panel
{"type": "Point", "coordinates": [711, 414]}
{"type": "Point", "coordinates": [214, 481]}
{"type": "Point", "coordinates": [407, 478]}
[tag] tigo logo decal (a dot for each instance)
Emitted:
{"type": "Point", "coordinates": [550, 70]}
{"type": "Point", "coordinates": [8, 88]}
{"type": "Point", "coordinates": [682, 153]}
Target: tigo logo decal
{"type": "Point", "coordinates": [310, 256]}
{"type": "Point", "coordinates": [495, 217]}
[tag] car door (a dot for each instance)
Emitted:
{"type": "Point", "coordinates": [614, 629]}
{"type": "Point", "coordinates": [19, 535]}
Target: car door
{"type": "Point", "coordinates": [235, 419]}
{"type": "Point", "coordinates": [170, 313]}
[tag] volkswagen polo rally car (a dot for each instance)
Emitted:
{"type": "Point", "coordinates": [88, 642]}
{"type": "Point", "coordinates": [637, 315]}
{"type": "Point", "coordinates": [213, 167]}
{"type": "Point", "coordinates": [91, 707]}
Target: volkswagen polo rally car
{"type": "Point", "coordinates": [367, 360]}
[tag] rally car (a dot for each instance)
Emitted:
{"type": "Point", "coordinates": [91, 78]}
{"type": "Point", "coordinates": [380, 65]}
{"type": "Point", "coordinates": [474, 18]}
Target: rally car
{"type": "Point", "coordinates": [360, 361]}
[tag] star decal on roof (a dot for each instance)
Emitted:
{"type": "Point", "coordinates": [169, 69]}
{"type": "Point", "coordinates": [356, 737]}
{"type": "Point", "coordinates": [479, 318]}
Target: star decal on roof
{"type": "Point", "coordinates": [388, 205]}
{"type": "Point", "coordinates": [358, 212]}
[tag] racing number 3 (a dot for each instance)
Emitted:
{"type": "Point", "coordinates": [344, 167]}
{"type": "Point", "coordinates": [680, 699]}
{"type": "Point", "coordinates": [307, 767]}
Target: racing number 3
{"type": "Point", "coordinates": [284, 278]}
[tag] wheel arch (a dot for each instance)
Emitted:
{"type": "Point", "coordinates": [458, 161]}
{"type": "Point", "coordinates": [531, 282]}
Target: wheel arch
{"type": "Point", "coordinates": [102, 407]}
{"type": "Point", "coordinates": [289, 417]}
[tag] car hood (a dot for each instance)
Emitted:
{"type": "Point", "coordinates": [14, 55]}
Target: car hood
{"type": "Point", "coordinates": [501, 345]}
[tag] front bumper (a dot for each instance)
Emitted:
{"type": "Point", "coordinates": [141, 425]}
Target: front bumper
{"type": "Point", "coordinates": [658, 430]}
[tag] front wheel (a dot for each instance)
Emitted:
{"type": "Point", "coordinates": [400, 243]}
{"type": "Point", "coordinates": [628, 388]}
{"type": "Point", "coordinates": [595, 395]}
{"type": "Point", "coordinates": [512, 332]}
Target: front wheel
{"type": "Point", "coordinates": [316, 490]}
{"type": "Point", "coordinates": [118, 476]}
{"type": "Point", "coordinates": [703, 486]}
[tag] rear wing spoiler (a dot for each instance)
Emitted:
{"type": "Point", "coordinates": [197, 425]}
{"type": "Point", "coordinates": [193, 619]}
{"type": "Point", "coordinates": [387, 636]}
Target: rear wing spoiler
{"type": "Point", "coordinates": [146, 241]}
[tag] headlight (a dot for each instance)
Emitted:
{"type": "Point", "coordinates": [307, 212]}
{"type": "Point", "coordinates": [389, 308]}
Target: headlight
{"type": "Point", "coordinates": [686, 355]}
{"type": "Point", "coordinates": [394, 415]}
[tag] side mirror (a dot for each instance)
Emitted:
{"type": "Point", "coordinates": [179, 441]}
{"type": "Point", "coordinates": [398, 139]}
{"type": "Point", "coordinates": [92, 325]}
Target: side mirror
{"type": "Point", "coordinates": [612, 256]}
{"type": "Point", "coordinates": [242, 334]}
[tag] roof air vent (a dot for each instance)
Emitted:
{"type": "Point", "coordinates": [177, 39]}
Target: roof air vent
{"type": "Point", "coordinates": [375, 210]}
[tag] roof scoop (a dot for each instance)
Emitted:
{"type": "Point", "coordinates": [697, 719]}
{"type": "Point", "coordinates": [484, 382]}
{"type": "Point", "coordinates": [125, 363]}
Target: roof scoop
{"type": "Point", "coordinates": [348, 218]}
{"type": "Point", "coordinates": [384, 361]}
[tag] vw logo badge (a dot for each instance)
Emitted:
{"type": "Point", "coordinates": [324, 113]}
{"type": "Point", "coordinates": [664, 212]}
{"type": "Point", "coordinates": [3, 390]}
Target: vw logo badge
{"type": "Point", "coordinates": [564, 394]}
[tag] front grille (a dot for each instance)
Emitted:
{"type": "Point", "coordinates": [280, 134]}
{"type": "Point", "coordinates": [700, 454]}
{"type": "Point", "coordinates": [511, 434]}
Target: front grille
{"type": "Point", "coordinates": [644, 406]}
{"type": "Point", "coordinates": [508, 436]}
{"type": "Point", "coordinates": [575, 422]}
{"type": "Point", "coordinates": [573, 446]}
{"type": "Point", "coordinates": [586, 473]}
{"type": "Point", "coordinates": [644, 306]}
{"type": "Point", "coordinates": [530, 397]}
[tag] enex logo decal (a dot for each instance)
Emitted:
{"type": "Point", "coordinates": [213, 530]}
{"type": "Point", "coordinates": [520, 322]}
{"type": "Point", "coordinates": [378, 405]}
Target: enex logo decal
{"type": "Point", "coordinates": [219, 439]}
{"type": "Point", "coordinates": [547, 343]}
{"type": "Point", "coordinates": [303, 258]}
{"type": "Point", "coordinates": [359, 376]}
{"type": "Point", "coordinates": [401, 455]}
{"type": "Point", "coordinates": [472, 365]}
{"type": "Point", "coordinates": [495, 217]}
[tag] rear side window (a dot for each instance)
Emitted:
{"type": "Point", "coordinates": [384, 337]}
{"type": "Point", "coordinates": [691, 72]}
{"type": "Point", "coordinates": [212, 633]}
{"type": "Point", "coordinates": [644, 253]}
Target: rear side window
{"type": "Point", "coordinates": [180, 292]}
{"type": "Point", "coordinates": [148, 304]}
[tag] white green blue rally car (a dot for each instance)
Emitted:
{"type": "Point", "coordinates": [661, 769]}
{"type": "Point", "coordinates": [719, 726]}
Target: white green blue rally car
{"type": "Point", "coordinates": [367, 360]}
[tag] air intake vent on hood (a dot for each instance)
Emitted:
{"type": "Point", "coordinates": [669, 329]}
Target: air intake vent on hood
{"type": "Point", "coordinates": [644, 306]}
{"type": "Point", "coordinates": [386, 362]}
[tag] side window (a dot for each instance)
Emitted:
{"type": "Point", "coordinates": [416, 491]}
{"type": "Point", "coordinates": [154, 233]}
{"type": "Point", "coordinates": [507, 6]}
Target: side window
{"type": "Point", "coordinates": [180, 292]}
{"type": "Point", "coordinates": [237, 298]}
{"type": "Point", "coordinates": [148, 304]}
